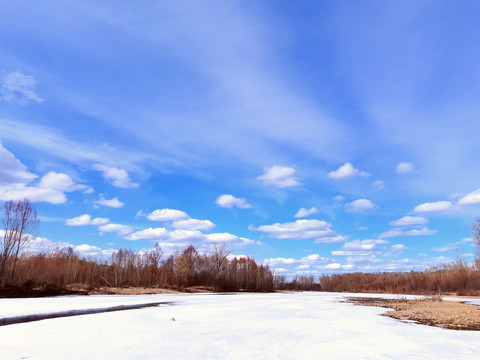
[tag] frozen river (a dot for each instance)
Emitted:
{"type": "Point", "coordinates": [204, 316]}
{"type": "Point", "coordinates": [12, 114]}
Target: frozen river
{"type": "Point", "coordinates": [217, 326]}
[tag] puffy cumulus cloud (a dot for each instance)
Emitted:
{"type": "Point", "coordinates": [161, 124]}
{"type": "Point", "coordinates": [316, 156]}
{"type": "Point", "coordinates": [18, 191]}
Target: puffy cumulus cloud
{"type": "Point", "coordinates": [60, 182]}
{"type": "Point", "coordinates": [471, 198]}
{"type": "Point", "coordinates": [302, 229]}
{"type": "Point", "coordinates": [181, 237]}
{"type": "Point", "coordinates": [18, 88]}
{"type": "Point", "coordinates": [193, 224]}
{"type": "Point", "coordinates": [360, 205]}
{"type": "Point", "coordinates": [333, 266]}
{"type": "Point", "coordinates": [116, 176]}
{"type": "Point", "coordinates": [229, 201]}
{"type": "Point", "coordinates": [435, 207]}
{"type": "Point", "coordinates": [16, 182]}
{"type": "Point", "coordinates": [40, 245]}
{"type": "Point", "coordinates": [113, 203]}
{"type": "Point", "coordinates": [51, 189]}
{"type": "Point", "coordinates": [346, 171]}
{"type": "Point", "coordinates": [152, 234]}
{"type": "Point", "coordinates": [167, 215]}
{"type": "Point", "coordinates": [409, 220]}
{"type": "Point", "coordinates": [230, 239]}
{"type": "Point", "coordinates": [279, 176]}
{"type": "Point", "coordinates": [313, 264]}
{"type": "Point", "coordinates": [339, 198]}
{"type": "Point", "coordinates": [116, 228]}
{"type": "Point", "coordinates": [397, 232]}
{"type": "Point", "coordinates": [13, 171]}
{"type": "Point", "coordinates": [304, 212]}
{"type": "Point", "coordinates": [86, 219]}
{"type": "Point", "coordinates": [405, 168]}
{"type": "Point", "coordinates": [359, 247]}
{"type": "Point", "coordinates": [180, 220]}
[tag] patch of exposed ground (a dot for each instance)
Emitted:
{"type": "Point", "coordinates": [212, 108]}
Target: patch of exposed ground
{"type": "Point", "coordinates": [429, 311]}
{"type": "Point", "coordinates": [31, 290]}
{"type": "Point", "coordinates": [144, 291]}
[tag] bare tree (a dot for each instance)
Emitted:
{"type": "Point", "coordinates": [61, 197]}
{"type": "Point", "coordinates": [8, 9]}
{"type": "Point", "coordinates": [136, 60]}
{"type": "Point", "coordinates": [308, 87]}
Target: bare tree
{"type": "Point", "coordinates": [219, 259]}
{"type": "Point", "coordinates": [19, 223]}
{"type": "Point", "coordinates": [476, 237]}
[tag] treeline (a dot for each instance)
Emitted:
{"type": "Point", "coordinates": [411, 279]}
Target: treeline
{"type": "Point", "coordinates": [460, 278]}
{"type": "Point", "coordinates": [213, 270]}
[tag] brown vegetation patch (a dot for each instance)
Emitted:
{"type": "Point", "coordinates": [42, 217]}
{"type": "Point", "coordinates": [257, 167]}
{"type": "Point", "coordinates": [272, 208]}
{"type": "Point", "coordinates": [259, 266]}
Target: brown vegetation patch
{"type": "Point", "coordinates": [428, 311]}
{"type": "Point", "coordinates": [145, 290]}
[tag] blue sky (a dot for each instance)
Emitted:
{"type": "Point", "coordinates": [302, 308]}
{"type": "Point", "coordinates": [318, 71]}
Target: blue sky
{"type": "Point", "coordinates": [318, 137]}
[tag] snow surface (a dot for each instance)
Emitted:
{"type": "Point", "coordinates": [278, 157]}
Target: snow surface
{"type": "Point", "coordinates": [218, 326]}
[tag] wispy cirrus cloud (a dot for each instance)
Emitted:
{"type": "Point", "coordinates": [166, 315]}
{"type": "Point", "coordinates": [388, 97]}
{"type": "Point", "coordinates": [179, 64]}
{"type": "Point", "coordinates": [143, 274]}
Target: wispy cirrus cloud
{"type": "Point", "coordinates": [18, 88]}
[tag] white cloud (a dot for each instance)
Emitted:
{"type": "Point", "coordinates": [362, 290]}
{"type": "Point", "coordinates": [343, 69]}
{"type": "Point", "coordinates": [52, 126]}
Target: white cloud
{"type": "Point", "coordinates": [193, 224]}
{"type": "Point", "coordinates": [117, 228]}
{"type": "Point", "coordinates": [409, 220]}
{"type": "Point", "coordinates": [302, 229]}
{"type": "Point", "coordinates": [229, 239]}
{"type": "Point", "coordinates": [345, 171]}
{"type": "Point", "coordinates": [60, 182]}
{"type": "Point", "coordinates": [362, 245]}
{"type": "Point", "coordinates": [45, 246]}
{"type": "Point", "coordinates": [156, 234]}
{"type": "Point", "coordinates": [303, 212]}
{"type": "Point", "coordinates": [229, 201]}
{"type": "Point", "coordinates": [167, 215]}
{"type": "Point", "coordinates": [279, 176]}
{"type": "Point", "coordinates": [85, 219]}
{"type": "Point", "coordinates": [333, 266]}
{"type": "Point", "coordinates": [113, 203]}
{"type": "Point", "coordinates": [398, 247]}
{"type": "Point", "coordinates": [437, 206]}
{"type": "Point", "coordinates": [118, 177]}
{"type": "Point", "coordinates": [361, 205]}
{"type": "Point", "coordinates": [405, 168]}
{"type": "Point", "coordinates": [365, 251]}
{"type": "Point", "coordinates": [16, 182]}
{"type": "Point", "coordinates": [471, 198]}
{"type": "Point", "coordinates": [182, 237]}
{"type": "Point", "coordinates": [339, 198]}
{"type": "Point", "coordinates": [13, 171]}
{"type": "Point", "coordinates": [403, 232]}
{"type": "Point", "coordinates": [18, 88]}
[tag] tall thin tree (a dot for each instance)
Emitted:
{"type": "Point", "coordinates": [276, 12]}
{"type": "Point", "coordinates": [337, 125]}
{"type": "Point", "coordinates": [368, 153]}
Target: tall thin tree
{"type": "Point", "coordinates": [20, 221]}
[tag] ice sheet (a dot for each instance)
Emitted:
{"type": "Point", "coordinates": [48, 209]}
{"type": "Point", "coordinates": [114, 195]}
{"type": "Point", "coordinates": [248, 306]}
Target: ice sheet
{"type": "Point", "coordinates": [242, 326]}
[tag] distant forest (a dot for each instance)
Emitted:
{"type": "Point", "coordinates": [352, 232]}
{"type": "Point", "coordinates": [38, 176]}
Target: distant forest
{"type": "Point", "coordinates": [24, 273]}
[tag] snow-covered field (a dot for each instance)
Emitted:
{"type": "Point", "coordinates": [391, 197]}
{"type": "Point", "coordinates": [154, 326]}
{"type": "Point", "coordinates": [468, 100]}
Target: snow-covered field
{"type": "Point", "coordinates": [217, 326]}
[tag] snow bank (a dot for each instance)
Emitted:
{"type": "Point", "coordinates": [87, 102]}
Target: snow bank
{"type": "Point", "coordinates": [214, 326]}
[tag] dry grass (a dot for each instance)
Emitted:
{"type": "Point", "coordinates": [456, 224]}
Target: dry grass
{"type": "Point", "coordinates": [431, 311]}
{"type": "Point", "coordinates": [144, 290]}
